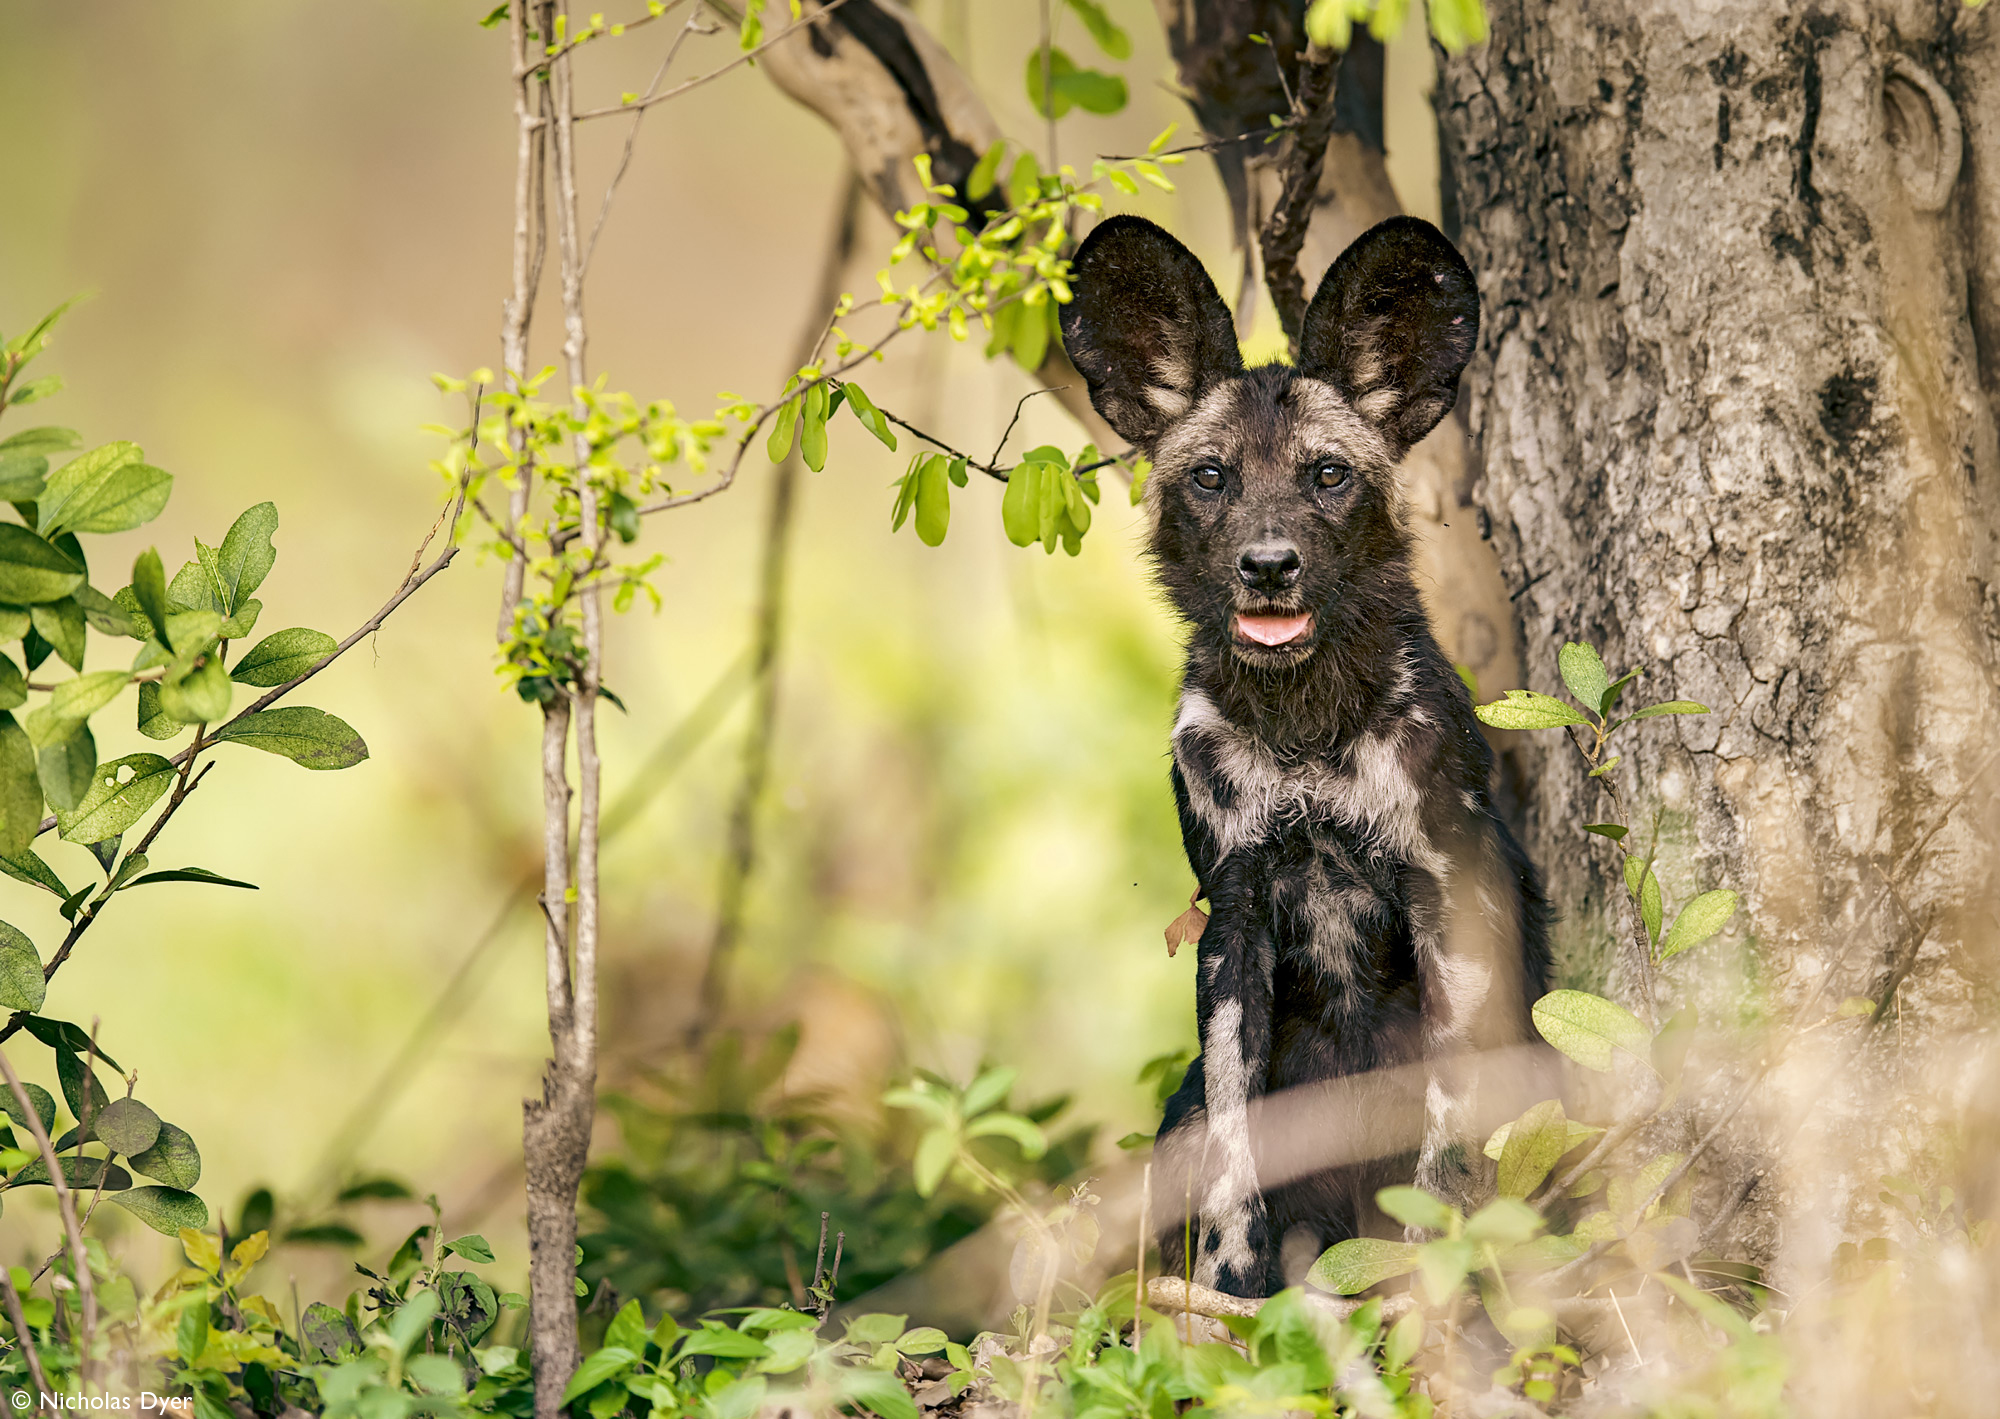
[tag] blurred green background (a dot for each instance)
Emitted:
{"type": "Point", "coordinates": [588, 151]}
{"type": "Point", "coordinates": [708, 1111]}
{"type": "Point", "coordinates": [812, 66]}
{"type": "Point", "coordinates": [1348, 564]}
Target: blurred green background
{"type": "Point", "coordinates": [289, 216]}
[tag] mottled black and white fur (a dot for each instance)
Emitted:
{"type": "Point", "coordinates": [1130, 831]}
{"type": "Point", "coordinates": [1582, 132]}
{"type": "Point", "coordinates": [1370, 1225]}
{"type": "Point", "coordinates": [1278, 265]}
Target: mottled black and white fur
{"type": "Point", "coordinates": [1369, 908]}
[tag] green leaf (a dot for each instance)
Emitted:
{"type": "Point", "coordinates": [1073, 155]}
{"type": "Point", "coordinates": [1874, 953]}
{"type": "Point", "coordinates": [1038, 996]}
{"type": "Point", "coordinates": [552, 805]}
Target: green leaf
{"type": "Point", "coordinates": [1613, 831]}
{"type": "Point", "coordinates": [1524, 709]}
{"type": "Point", "coordinates": [473, 1247]}
{"type": "Point", "coordinates": [36, 389]}
{"type": "Point", "coordinates": [120, 792]}
{"type": "Point", "coordinates": [1583, 672]}
{"type": "Point", "coordinates": [412, 1321]}
{"type": "Point", "coordinates": [61, 624]}
{"type": "Point", "coordinates": [173, 1159]}
{"type": "Point", "coordinates": [1535, 1141]}
{"type": "Point", "coordinates": [149, 587]}
{"type": "Point", "coordinates": [310, 738]}
{"type": "Point", "coordinates": [1443, 1265]}
{"type": "Point", "coordinates": [871, 418]}
{"type": "Point", "coordinates": [933, 501]}
{"type": "Point", "coordinates": [191, 1334]}
{"type": "Point", "coordinates": [985, 171]}
{"type": "Point", "coordinates": [1650, 906]}
{"type": "Point", "coordinates": [1669, 707]}
{"type": "Point", "coordinates": [190, 874]}
{"type": "Point", "coordinates": [22, 986]}
{"type": "Point", "coordinates": [785, 427]}
{"type": "Point", "coordinates": [1018, 504]}
{"type": "Point", "coordinates": [44, 1104]}
{"type": "Point", "coordinates": [1503, 1222]}
{"type": "Point", "coordinates": [878, 1392]}
{"type": "Point", "coordinates": [1617, 688]}
{"type": "Point", "coordinates": [924, 1340]}
{"type": "Point", "coordinates": [1030, 336]}
{"type": "Point", "coordinates": [627, 1330]}
{"type": "Point", "coordinates": [20, 791]}
{"type": "Point", "coordinates": [33, 571]}
{"type": "Point", "coordinates": [987, 1090]}
{"type": "Point", "coordinates": [722, 1342]}
{"type": "Point", "coordinates": [13, 684]}
{"type": "Point", "coordinates": [906, 494]}
{"type": "Point", "coordinates": [1590, 1029]}
{"type": "Point", "coordinates": [239, 626]}
{"type": "Point", "coordinates": [74, 701]}
{"type": "Point", "coordinates": [194, 588]}
{"type": "Point", "coordinates": [1032, 1141]}
{"type": "Point", "coordinates": [246, 555]}
{"type": "Point", "coordinates": [195, 689]}
{"type": "Point", "coordinates": [155, 722]}
{"type": "Point", "coordinates": [1112, 40]}
{"type": "Point", "coordinates": [1698, 920]}
{"type": "Point", "coordinates": [812, 428]}
{"type": "Point", "coordinates": [46, 439]}
{"type": "Point", "coordinates": [65, 767]}
{"type": "Point", "coordinates": [933, 1160]}
{"type": "Point", "coordinates": [192, 632]}
{"type": "Point", "coordinates": [22, 476]}
{"type": "Point", "coordinates": [126, 1126]}
{"type": "Point", "coordinates": [60, 1035]}
{"type": "Point", "coordinates": [1351, 1267]}
{"type": "Point", "coordinates": [1458, 24]}
{"type": "Point", "coordinates": [102, 612]}
{"type": "Point", "coordinates": [1606, 767]}
{"type": "Point", "coordinates": [77, 1172]}
{"type": "Point", "coordinates": [1088, 89]}
{"type": "Point", "coordinates": [1405, 1338]}
{"type": "Point", "coordinates": [25, 866]}
{"type": "Point", "coordinates": [106, 490]}
{"type": "Point", "coordinates": [14, 622]}
{"type": "Point", "coordinates": [1414, 1207]}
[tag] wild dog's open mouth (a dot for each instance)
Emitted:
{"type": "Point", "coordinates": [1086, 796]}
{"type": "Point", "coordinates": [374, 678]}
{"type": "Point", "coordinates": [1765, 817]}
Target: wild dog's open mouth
{"type": "Point", "coordinates": [1274, 630]}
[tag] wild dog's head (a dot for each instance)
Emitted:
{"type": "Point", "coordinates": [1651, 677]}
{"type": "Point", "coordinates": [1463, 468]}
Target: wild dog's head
{"type": "Point", "coordinates": [1273, 489]}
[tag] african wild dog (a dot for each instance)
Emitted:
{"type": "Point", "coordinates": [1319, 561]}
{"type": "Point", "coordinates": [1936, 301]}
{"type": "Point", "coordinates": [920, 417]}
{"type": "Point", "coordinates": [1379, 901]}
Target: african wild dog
{"type": "Point", "coordinates": [1369, 907]}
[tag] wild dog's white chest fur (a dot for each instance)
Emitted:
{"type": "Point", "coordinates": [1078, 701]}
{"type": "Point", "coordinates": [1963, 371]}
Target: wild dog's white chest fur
{"type": "Point", "coordinates": [1241, 792]}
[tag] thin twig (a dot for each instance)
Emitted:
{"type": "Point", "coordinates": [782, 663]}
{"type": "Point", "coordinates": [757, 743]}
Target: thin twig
{"type": "Point", "coordinates": [66, 1205]}
{"type": "Point", "coordinates": [561, 51]}
{"type": "Point", "coordinates": [744, 58]}
{"type": "Point", "coordinates": [19, 1318]}
{"type": "Point", "coordinates": [1019, 405]}
{"type": "Point", "coordinates": [632, 136]}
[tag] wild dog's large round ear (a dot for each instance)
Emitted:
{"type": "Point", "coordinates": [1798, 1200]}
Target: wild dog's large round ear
{"type": "Point", "coordinates": [1392, 326]}
{"type": "Point", "coordinates": [1145, 327]}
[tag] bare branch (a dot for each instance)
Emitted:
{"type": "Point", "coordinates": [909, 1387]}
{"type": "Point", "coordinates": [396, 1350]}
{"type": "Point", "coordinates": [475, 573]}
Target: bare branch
{"type": "Point", "coordinates": [1299, 163]}
{"type": "Point", "coordinates": [632, 135]}
{"type": "Point", "coordinates": [738, 62]}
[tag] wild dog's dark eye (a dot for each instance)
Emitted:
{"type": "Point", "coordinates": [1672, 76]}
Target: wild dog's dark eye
{"type": "Point", "coordinates": [1208, 478]}
{"type": "Point", "coordinates": [1329, 474]}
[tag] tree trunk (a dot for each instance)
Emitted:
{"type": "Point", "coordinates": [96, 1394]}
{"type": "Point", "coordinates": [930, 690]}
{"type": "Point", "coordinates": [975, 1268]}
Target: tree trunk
{"type": "Point", "coordinates": [1732, 425]}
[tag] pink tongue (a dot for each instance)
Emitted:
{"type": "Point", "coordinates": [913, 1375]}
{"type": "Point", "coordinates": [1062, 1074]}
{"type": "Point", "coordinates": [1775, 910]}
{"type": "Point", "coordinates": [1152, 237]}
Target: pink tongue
{"type": "Point", "coordinates": [1273, 630]}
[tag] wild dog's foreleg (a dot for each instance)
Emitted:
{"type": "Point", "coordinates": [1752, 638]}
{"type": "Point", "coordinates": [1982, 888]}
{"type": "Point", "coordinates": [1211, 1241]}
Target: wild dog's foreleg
{"type": "Point", "coordinates": [1176, 1176]}
{"type": "Point", "coordinates": [1233, 1006]}
{"type": "Point", "coordinates": [1466, 927]}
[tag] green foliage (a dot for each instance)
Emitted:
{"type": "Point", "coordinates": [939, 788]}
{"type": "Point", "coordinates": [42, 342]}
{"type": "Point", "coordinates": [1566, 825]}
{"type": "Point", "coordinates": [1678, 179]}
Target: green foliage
{"type": "Point", "coordinates": [1455, 24]}
{"type": "Point", "coordinates": [715, 1197]}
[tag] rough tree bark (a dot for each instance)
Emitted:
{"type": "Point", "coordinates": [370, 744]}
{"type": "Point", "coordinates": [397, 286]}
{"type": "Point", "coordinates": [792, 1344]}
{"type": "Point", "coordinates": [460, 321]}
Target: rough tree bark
{"type": "Point", "coordinates": [1732, 425]}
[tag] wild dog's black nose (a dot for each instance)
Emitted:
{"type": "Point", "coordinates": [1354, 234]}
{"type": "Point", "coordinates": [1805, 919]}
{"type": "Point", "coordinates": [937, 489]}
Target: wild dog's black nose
{"type": "Point", "coordinates": [1269, 566]}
